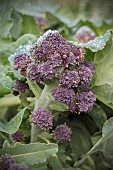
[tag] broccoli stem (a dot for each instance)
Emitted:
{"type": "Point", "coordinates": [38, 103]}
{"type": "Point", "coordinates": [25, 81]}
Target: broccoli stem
{"type": "Point", "coordinates": [44, 102]}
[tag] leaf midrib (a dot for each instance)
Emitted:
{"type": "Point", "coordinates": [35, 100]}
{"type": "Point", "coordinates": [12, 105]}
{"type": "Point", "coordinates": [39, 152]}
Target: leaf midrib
{"type": "Point", "coordinates": [31, 153]}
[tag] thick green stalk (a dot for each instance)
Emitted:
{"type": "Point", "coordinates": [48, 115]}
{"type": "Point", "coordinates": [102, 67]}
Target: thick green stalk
{"type": "Point", "coordinates": [43, 101]}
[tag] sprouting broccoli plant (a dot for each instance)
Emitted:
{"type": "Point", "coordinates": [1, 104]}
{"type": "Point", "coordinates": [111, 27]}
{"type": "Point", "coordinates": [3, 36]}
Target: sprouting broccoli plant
{"type": "Point", "coordinates": [54, 59]}
{"type": "Point", "coordinates": [56, 75]}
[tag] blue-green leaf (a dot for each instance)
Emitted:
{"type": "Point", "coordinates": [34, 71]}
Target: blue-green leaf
{"type": "Point", "coordinates": [97, 44]}
{"type": "Point", "coordinates": [30, 154]}
{"type": "Point", "coordinates": [13, 125]}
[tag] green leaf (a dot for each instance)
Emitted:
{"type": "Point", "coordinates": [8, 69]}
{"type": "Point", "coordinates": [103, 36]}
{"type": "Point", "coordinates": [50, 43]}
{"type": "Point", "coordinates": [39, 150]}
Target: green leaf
{"type": "Point", "coordinates": [6, 82]}
{"type": "Point", "coordinates": [104, 145]}
{"type": "Point", "coordinates": [96, 44]}
{"type": "Point", "coordinates": [34, 87]}
{"type": "Point", "coordinates": [38, 167]}
{"type": "Point", "coordinates": [10, 49]}
{"type": "Point", "coordinates": [55, 163]}
{"type": "Point", "coordinates": [6, 22]}
{"type": "Point", "coordinates": [13, 125]}
{"type": "Point", "coordinates": [72, 13]}
{"type": "Point", "coordinates": [5, 85]}
{"type": "Point", "coordinates": [107, 128]}
{"type": "Point", "coordinates": [23, 40]}
{"type": "Point", "coordinates": [5, 42]}
{"type": "Point", "coordinates": [58, 106]}
{"type": "Point", "coordinates": [35, 8]}
{"type": "Point", "coordinates": [30, 26]}
{"type": "Point", "coordinates": [30, 154]}
{"type": "Point", "coordinates": [103, 81]}
{"type": "Point", "coordinates": [98, 115]}
{"type": "Point", "coordinates": [95, 138]}
{"type": "Point", "coordinates": [16, 30]}
{"type": "Point", "coordinates": [80, 139]}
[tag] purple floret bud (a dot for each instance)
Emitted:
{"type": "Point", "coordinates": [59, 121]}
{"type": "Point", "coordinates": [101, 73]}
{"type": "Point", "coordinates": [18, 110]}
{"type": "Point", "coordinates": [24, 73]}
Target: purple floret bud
{"type": "Point", "coordinates": [6, 161]}
{"type": "Point", "coordinates": [18, 136]}
{"type": "Point", "coordinates": [90, 65]}
{"type": "Point", "coordinates": [69, 79]}
{"type": "Point", "coordinates": [72, 107]}
{"type": "Point", "coordinates": [85, 74]}
{"type": "Point", "coordinates": [20, 86]}
{"type": "Point", "coordinates": [85, 100]}
{"type": "Point", "coordinates": [42, 118]}
{"type": "Point", "coordinates": [63, 95]}
{"type": "Point", "coordinates": [34, 73]}
{"type": "Point", "coordinates": [47, 44]}
{"type": "Point", "coordinates": [74, 57]}
{"type": "Point", "coordinates": [47, 71]}
{"type": "Point", "coordinates": [21, 61]}
{"type": "Point", "coordinates": [16, 166]}
{"type": "Point", "coordinates": [62, 133]}
{"type": "Point", "coordinates": [84, 34]}
{"type": "Point", "coordinates": [55, 60]}
{"type": "Point", "coordinates": [42, 72]}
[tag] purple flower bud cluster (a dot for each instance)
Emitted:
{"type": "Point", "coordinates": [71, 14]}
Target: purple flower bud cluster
{"type": "Point", "coordinates": [20, 86]}
{"type": "Point", "coordinates": [41, 72]}
{"type": "Point", "coordinates": [50, 53]}
{"type": "Point", "coordinates": [52, 56]}
{"type": "Point", "coordinates": [7, 162]}
{"type": "Point", "coordinates": [62, 133]}
{"type": "Point", "coordinates": [72, 107]}
{"type": "Point", "coordinates": [84, 34]}
{"type": "Point", "coordinates": [18, 136]}
{"type": "Point", "coordinates": [21, 62]}
{"type": "Point", "coordinates": [48, 71]}
{"type": "Point", "coordinates": [63, 95]}
{"type": "Point", "coordinates": [42, 118]}
{"type": "Point", "coordinates": [69, 79]}
{"type": "Point", "coordinates": [16, 166]}
{"type": "Point", "coordinates": [85, 100]}
{"type": "Point", "coordinates": [72, 83]}
{"type": "Point", "coordinates": [90, 65]}
{"type": "Point", "coordinates": [34, 73]}
{"type": "Point", "coordinates": [85, 74]}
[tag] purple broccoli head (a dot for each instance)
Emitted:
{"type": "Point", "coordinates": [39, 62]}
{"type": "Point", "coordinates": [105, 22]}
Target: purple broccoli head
{"type": "Point", "coordinates": [63, 95]}
{"type": "Point", "coordinates": [42, 118]}
{"type": "Point", "coordinates": [20, 86]}
{"type": "Point", "coordinates": [6, 161]}
{"type": "Point", "coordinates": [85, 100]}
{"type": "Point", "coordinates": [18, 136]}
{"type": "Point", "coordinates": [62, 133]}
{"type": "Point", "coordinates": [21, 62]}
{"type": "Point", "coordinates": [69, 79]}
